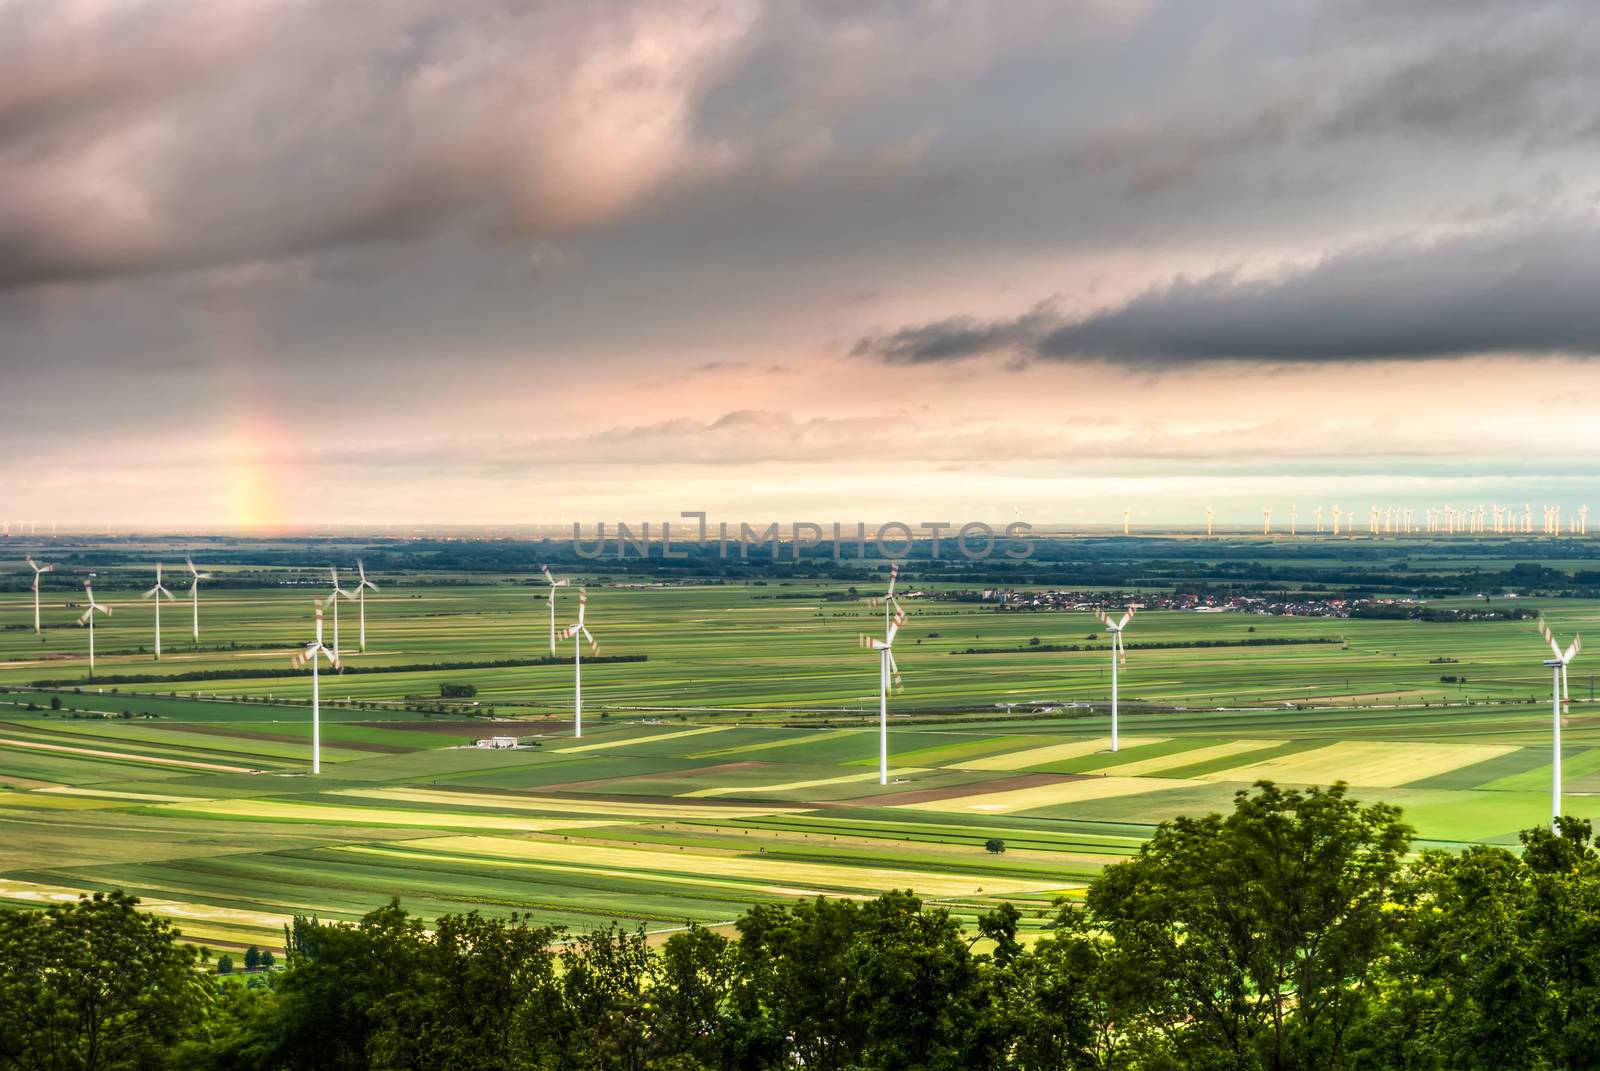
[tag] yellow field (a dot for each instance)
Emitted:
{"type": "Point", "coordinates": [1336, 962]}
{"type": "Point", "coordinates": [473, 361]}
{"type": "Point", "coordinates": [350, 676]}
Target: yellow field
{"type": "Point", "coordinates": [606, 745]}
{"type": "Point", "coordinates": [1144, 767]}
{"type": "Point", "coordinates": [791, 786]}
{"type": "Point", "coordinates": [124, 756]}
{"type": "Point", "coordinates": [798, 738]}
{"type": "Point", "coordinates": [290, 811]}
{"type": "Point", "coordinates": [113, 794]}
{"type": "Point", "coordinates": [795, 878]}
{"type": "Point", "coordinates": [1043, 756]}
{"type": "Point", "coordinates": [1378, 764]}
{"type": "Point", "coordinates": [558, 804]}
{"type": "Point", "coordinates": [1026, 799]}
{"type": "Point", "coordinates": [196, 920]}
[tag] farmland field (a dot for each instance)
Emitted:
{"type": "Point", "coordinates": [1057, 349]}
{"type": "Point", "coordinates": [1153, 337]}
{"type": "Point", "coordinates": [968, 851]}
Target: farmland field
{"type": "Point", "coordinates": [732, 761]}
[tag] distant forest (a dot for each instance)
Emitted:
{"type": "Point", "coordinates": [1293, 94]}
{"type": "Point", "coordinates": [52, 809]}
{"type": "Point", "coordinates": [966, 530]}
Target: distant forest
{"type": "Point", "coordinates": [1349, 568]}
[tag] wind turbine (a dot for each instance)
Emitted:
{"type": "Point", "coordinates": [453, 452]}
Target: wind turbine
{"type": "Point", "coordinates": [88, 619]}
{"type": "Point", "coordinates": [1115, 628]}
{"type": "Point", "coordinates": [156, 592]}
{"type": "Point", "coordinates": [194, 593]}
{"type": "Point", "coordinates": [888, 601]}
{"type": "Point", "coordinates": [333, 600]}
{"type": "Point", "coordinates": [1125, 521]}
{"type": "Point", "coordinates": [314, 648]}
{"type": "Point", "coordinates": [361, 593]}
{"type": "Point", "coordinates": [38, 571]}
{"type": "Point", "coordinates": [894, 617]}
{"type": "Point", "coordinates": [1555, 649]}
{"type": "Point", "coordinates": [1208, 522]}
{"type": "Point", "coordinates": [551, 598]}
{"type": "Point", "coordinates": [573, 632]}
{"type": "Point", "coordinates": [1266, 520]}
{"type": "Point", "coordinates": [1558, 699]}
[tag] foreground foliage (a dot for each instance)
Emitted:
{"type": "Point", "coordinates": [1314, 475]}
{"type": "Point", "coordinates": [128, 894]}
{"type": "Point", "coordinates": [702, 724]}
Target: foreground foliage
{"type": "Point", "coordinates": [1290, 934]}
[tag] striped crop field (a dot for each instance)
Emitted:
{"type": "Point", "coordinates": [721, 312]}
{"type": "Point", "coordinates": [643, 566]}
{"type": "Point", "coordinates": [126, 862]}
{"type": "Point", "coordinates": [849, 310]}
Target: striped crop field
{"type": "Point", "coordinates": [737, 763]}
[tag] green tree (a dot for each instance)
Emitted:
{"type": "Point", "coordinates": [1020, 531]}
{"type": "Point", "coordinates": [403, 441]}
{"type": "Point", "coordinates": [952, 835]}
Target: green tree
{"type": "Point", "coordinates": [692, 981]}
{"type": "Point", "coordinates": [225, 964]}
{"type": "Point", "coordinates": [1067, 1006]}
{"type": "Point", "coordinates": [1253, 938]}
{"type": "Point", "coordinates": [887, 984]}
{"type": "Point", "coordinates": [94, 985]}
{"type": "Point", "coordinates": [330, 1000]}
{"type": "Point", "coordinates": [604, 975]}
{"type": "Point", "coordinates": [483, 996]}
{"type": "Point", "coordinates": [252, 958]}
{"type": "Point", "coordinates": [1497, 964]}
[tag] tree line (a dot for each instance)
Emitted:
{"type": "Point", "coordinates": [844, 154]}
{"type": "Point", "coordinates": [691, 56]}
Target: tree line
{"type": "Point", "coordinates": [1297, 932]}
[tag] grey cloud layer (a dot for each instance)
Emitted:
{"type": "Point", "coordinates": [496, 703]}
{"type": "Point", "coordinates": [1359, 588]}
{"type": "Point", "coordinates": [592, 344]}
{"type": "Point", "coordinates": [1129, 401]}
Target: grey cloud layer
{"type": "Point", "coordinates": [168, 134]}
{"type": "Point", "coordinates": [1524, 291]}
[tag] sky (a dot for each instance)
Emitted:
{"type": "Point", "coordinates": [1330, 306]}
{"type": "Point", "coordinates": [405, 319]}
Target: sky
{"type": "Point", "coordinates": [268, 264]}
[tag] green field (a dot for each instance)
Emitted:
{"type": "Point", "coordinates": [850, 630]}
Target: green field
{"type": "Point", "coordinates": [736, 763]}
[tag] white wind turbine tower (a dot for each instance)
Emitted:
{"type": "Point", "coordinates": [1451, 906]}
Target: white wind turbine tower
{"type": "Point", "coordinates": [88, 619]}
{"type": "Point", "coordinates": [551, 598]}
{"type": "Point", "coordinates": [1208, 522]}
{"type": "Point", "coordinates": [1292, 510]}
{"type": "Point", "coordinates": [1317, 513]}
{"type": "Point", "coordinates": [194, 593]}
{"type": "Point", "coordinates": [1336, 515]}
{"type": "Point", "coordinates": [313, 649]}
{"type": "Point", "coordinates": [361, 593]}
{"type": "Point", "coordinates": [1115, 628]}
{"type": "Point", "coordinates": [333, 600]}
{"type": "Point", "coordinates": [888, 671]}
{"type": "Point", "coordinates": [156, 593]}
{"type": "Point", "coordinates": [1266, 520]}
{"type": "Point", "coordinates": [38, 571]}
{"type": "Point", "coordinates": [1125, 521]}
{"type": "Point", "coordinates": [1558, 687]}
{"type": "Point", "coordinates": [577, 632]}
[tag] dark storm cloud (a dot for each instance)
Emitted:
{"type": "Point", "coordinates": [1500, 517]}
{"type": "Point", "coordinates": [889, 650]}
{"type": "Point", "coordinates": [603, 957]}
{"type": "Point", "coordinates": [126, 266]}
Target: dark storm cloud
{"type": "Point", "coordinates": [1509, 74]}
{"type": "Point", "coordinates": [168, 135]}
{"type": "Point", "coordinates": [1525, 291]}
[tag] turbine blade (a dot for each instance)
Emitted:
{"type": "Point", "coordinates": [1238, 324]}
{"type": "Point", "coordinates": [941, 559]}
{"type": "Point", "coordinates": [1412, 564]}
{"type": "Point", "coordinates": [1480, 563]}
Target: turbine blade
{"type": "Point", "coordinates": [86, 615]}
{"type": "Point", "coordinates": [1572, 651]}
{"type": "Point", "coordinates": [149, 593]}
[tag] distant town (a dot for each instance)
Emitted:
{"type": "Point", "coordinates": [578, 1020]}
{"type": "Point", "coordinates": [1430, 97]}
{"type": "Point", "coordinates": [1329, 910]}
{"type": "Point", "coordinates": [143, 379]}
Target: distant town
{"type": "Point", "coordinates": [1010, 600]}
